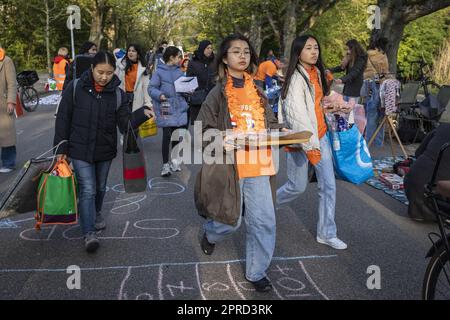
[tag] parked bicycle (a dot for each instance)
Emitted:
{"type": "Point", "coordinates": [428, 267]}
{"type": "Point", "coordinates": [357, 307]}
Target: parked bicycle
{"type": "Point", "coordinates": [424, 78]}
{"type": "Point", "coordinates": [28, 95]}
{"type": "Point", "coordinates": [436, 282]}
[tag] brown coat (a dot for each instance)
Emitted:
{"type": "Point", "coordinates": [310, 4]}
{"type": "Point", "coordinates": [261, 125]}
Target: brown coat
{"type": "Point", "coordinates": [377, 64]}
{"type": "Point", "coordinates": [8, 91]}
{"type": "Point", "coordinates": [217, 192]}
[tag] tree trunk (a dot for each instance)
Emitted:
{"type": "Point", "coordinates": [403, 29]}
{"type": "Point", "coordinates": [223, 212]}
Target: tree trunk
{"type": "Point", "coordinates": [289, 28]}
{"type": "Point", "coordinates": [255, 34]}
{"type": "Point", "coordinates": [395, 15]}
{"type": "Point", "coordinates": [47, 38]}
{"type": "Point", "coordinates": [392, 26]}
{"type": "Point", "coordinates": [96, 33]}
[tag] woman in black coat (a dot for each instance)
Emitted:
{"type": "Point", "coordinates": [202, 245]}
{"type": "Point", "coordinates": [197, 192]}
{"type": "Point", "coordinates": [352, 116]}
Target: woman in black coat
{"type": "Point", "coordinates": [422, 170]}
{"type": "Point", "coordinates": [87, 119]}
{"type": "Point", "coordinates": [201, 66]}
{"type": "Point", "coordinates": [354, 64]}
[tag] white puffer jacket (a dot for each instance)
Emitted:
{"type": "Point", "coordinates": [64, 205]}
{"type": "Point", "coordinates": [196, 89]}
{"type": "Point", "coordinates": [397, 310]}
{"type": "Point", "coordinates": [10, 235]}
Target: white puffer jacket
{"type": "Point", "coordinates": [299, 110]}
{"type": "Point", "coordinates": [141, 97]}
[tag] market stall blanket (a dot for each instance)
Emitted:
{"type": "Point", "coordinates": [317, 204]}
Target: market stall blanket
{"type": "Point", "coordinates": [378, 166]}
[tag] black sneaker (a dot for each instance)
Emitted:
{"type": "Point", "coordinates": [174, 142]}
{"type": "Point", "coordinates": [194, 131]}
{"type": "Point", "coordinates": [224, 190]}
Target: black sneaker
{"type": "Point", "coordinates": [207, 247]}
{"type": "Point", "coordinates": [100, 223]}
{"type": "Point", "coordinates": [91, 242]}
{"type": "Point", "coordinates": [262, 285]}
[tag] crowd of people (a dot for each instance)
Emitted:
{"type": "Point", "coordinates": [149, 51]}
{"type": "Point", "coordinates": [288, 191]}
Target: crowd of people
{"type": "Point", "coordinates": [230, 96]}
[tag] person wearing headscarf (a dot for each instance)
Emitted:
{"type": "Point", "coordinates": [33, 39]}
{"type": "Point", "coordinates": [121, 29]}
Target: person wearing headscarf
{"type": "Point", "coordinates": [201, 66]}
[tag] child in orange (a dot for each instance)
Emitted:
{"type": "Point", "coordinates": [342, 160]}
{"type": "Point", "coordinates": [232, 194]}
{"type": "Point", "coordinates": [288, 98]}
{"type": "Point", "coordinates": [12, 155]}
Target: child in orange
{"type": "Point", "coordinates": [305, 85]}
{"type": "Point", "coordinates": [236, 104]}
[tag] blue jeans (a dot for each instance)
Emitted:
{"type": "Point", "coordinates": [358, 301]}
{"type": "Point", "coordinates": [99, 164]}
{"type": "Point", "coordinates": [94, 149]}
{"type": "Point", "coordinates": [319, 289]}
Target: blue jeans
{"type": "Point", "coordinates": [297, 172]}
{"type": "Point", "coordinates": [260, 222]}
{"type": "Point", "coordinates": [9, 157]}
{"type": "Point", "coordinates": [373, 112]}
{"type": "Point", "coordinates": [91, 179]}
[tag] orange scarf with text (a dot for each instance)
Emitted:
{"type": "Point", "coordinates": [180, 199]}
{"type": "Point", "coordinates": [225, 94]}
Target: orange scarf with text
{"type": "Point", "coordinates": [248, 117]}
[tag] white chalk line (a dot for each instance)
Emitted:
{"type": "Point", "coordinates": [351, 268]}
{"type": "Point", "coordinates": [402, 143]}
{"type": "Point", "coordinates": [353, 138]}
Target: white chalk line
{"type": "Point", "coordinates": [275, 290]}
{"type": "Point", "coordinates": [166, 264]}
{"type": "Point", "coordinates": [233, 283]}
{"type": "Point", "coordinates": [312, 281]}
{"type": "Point", "coordinates": [124, 281]}
{"type": "Point", "coordinates": [197, 273]}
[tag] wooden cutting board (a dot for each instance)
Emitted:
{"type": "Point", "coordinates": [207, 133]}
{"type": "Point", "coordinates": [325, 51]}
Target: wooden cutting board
{"type": "Point", "coordinates": [277, 139]}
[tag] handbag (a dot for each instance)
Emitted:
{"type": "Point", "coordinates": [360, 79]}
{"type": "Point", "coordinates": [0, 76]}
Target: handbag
{"type": "Point", "coordinates": [57, 197]}
{"type": "Point", "coordinates": [134, 171]}
{"type": "Point", "coordinates": [197, 97]}
{"type": "Point", "coordinates": [351, 157]}
{"type": "Point", "coordinates": [21, 197]}
{"type": "Point", "coordinates": [148, 128]}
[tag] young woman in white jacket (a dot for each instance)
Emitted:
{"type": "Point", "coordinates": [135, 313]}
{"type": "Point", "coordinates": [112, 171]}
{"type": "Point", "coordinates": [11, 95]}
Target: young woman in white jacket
{"type": "Point", "coordinates": [302, 92]}
{"type": "Point", "coordinates": [131, 71]}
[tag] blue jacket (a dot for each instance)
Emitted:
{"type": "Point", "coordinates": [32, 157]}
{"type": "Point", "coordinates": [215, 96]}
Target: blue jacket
{"type": "Point", "coordinates": [163, 82]}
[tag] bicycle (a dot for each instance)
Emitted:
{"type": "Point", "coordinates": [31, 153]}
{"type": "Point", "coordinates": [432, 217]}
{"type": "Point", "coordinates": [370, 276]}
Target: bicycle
{"type": "Point", "coordinates": [28, 95]}
{"type": "Point", "coordinates": [422, 116]}
{"type": "Point", "coordinates": [437, 274]}
{"type": "Point", "coordinates": [424, 79]}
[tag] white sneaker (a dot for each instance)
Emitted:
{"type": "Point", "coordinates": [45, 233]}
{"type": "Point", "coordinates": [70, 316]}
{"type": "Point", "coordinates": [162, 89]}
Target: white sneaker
{"type": "Point", "coordinates": [6, 170]}
{"type": "Point", "coordinates": [175, 165]}
{"type": "Point", "coordinates": [165, 172]}
{"type": "Point", "coordinates": [334, 243]}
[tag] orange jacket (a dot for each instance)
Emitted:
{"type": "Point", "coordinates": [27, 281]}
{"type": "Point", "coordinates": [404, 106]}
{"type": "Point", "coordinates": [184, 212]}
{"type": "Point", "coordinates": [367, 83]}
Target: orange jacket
{"type": "Point", "coordinates": [59, 71]}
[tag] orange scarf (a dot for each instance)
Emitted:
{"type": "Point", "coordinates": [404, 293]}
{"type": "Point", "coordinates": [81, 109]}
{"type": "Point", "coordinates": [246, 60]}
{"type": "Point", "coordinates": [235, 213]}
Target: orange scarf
{"type": "Point", "coordinates": [97, 87]}
{"type": "Point", "coordinates": [254, 109]}
{"type": "Point", "coordinates": [2, 54]}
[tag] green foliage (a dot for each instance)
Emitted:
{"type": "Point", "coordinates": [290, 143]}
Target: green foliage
{"type": "Point", "coordinates": [347, 20]}
{"type": "Point", "coordinates": [186, 22]}
{"type": "Point", "coordinates": [423, 38]}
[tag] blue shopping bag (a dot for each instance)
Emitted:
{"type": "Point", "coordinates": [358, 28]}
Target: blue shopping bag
{"type": "Point", "coordinates": [351, 157]}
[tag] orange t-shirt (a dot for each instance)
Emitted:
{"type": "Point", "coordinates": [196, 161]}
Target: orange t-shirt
{"type": "Point", "coordinates": [131, 77]}
{"type": "Point", "coordinates": [321, 125]}
{"type": "Point", "coordinates": [266, 68]}
{"type": "Point", "coordinates": [251, 162]}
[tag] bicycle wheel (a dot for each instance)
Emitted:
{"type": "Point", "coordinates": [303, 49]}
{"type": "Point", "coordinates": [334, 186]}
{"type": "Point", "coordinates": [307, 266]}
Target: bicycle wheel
{"type": "Point", "coordinates": [436, 283]}
{"type": "Point", "coordinates": [29, 98]}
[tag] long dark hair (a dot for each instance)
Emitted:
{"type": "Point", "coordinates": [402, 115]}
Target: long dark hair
{"type": "Point", "coordinates": [86, 47]}
{"type": "Point", "coordinates": [296, 48]}
{"type": "Point", "coordinates": [356, 51]}
{"type": "Point", "coordinates": [223, 53]}
{"type": "Point", "coordinates": [140, 58]}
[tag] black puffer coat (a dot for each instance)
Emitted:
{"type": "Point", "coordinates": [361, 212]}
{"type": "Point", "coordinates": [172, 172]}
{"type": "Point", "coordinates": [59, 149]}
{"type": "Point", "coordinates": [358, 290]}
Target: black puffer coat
{"type": "Point", "coordinates": [89, 121]}
{"type": "Point", "coordinates": [203, 68]}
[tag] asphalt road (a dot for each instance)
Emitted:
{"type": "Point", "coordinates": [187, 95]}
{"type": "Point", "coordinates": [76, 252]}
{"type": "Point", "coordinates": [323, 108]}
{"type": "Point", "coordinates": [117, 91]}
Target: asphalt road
{"type": "Point", "coordinates": [150, 249]}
